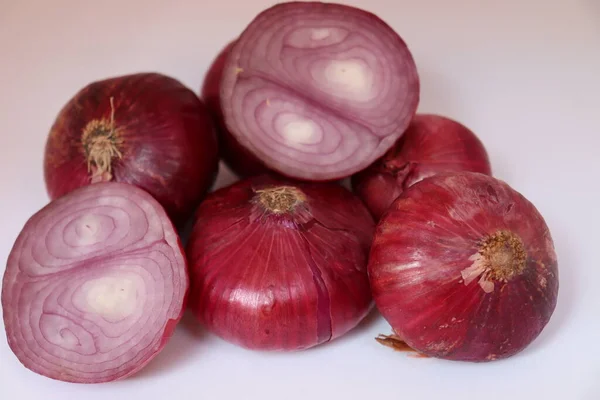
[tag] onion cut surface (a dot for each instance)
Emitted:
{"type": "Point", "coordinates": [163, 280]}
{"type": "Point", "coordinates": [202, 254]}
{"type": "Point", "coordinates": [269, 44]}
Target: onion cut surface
{"type": "Point", "coordinates": [463, 267]}
{"type": "Point", "coordinates": [94, 285]}
{"type": "Point", "coordinates": [241, 161]}
{"type": "Point", "coordinates": [318, 91]}
{"type": "Point", "coordinates": [276, 266]}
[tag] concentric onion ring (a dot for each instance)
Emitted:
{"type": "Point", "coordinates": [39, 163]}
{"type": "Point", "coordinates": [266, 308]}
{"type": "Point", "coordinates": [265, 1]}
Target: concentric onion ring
{"type": "Point", "coordinates": [318, 91]}
{"type": "Point", "coordinates": [94, 285]}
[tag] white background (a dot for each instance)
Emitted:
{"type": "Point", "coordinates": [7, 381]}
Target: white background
{"type": "Point", "coordinates": [523, 74]}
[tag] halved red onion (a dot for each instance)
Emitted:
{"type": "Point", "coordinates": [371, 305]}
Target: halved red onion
{"type": "Point", "coordinates": [94, 285]}
{"type": "Point", "coordinates": [463, 267]}
{"type": "Point", "coordinates": [318, 91]}
{"type": "Point", "coordinates": [237, 157]}
{"type": "Point", "coordinates": [432, 144]}
{"type": "Point", "coordinates": [276, 265]}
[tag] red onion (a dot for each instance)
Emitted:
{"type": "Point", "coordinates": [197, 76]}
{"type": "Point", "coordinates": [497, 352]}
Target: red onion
{"type": "Point", "coordinates": [463, 267]}
{"type": "Point", "coordinates": [276, 266]}
{"type": "Point", "coordinates": [318, 91]}
{"type": "Point", "coordinates": [431, 144]}
{"type": "Point", "coordinates": [241, 161]}
{"type": "Point", "coordinates": [144, 129]}
{"type": "Point", "coordinates": [94, 285]}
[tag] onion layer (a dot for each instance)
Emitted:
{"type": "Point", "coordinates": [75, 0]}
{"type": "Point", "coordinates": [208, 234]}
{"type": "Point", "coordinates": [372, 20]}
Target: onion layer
{"type": "Point", "coordinates": [237, 157]}
{"type": "Point", "coordinates": [318, 91]}
{"type": "Point", "coordinates": [94, 285]}
{"type": "Point", "coordinates": [463, 267]}
{"type": "Point", "coordinates": [431, 144]}
{"type": "Point", "coordinates": [144, 129]}
{"type": "Point", "coordinates": [280, 266]}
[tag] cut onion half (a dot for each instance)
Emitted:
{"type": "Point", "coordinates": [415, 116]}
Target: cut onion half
{"type": "Point", "coordinates": [318, 91]}
{"type": "Point", "coordinates": [94, 285]}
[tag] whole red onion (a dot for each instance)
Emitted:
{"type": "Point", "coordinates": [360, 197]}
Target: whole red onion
{"type": "Point", "coordinates": [94, 285]}
{"type": "Point", "coordinates": [318, 91]}
{"type": "Point", "coordinates": [280, 266]}
{"type": "Point", "coordinates": [463, 267]}
{"type": "Point", "coordinates": [237, 157]}
{"type": "Point", "coordinates": [431, 144]}
{"type": "Point", "coordinates": [144, 129]}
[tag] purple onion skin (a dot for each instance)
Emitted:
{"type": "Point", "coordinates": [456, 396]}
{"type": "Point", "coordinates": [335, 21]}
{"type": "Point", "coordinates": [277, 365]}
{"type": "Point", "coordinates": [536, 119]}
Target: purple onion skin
{"type": "Point", "coordinates": [463, 267]}
{"type": "Point", "coordinates": [241, 161]}
{"type": "Point", "coordinates": [318, 91]}
{"type": "Point", "coordinates": [164, 141]}
{"type": "Point", "coordinates": [280, 281]}
{"type": "Point", "coordinates": [432, 144]}
{"type": "Point", "coordinates": [94, 285]}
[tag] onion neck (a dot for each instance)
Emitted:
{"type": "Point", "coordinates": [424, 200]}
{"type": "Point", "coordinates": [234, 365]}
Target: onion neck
{"type": "Point", "coordinates": [279, 199]}
{"type": "Point", "coordinates": [400, 170]}
{"type": "Point", "coordinates": [101, 144]}
{"type": "Point", "coordinates": [500, 258]}
{"type": "Point", "coordinates": [395, 165]}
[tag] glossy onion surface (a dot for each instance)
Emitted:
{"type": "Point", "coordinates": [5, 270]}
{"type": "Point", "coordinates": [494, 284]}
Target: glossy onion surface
{"type": "Point", "coordinates": [145, 129]}
{"type": "Point", "coordinates": [463, 267]}
{"type": "Point", "coordinates": [94, 285]}
{"type": "Point", "coordinates": [237, 157]}
{"type": "Point", "coordinates": [280, 267]}
{"type": "Point", "coordinates": [318, 91]}
{"type": "Point", "coordinates": [432, 144]}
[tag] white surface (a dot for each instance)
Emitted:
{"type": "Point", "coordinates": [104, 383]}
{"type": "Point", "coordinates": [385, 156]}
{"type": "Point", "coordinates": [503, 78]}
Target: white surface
{"type": "Point", "coordinates": [523, 74]}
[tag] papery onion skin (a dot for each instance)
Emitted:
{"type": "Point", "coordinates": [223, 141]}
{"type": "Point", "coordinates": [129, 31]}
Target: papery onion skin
{"type": "Point", "coordinates": [241, 161]}
{"type": "Point", "coordinates": [318, 91]}
{"type": "Point", "coordinates": [432, 144]}
{"type": "Point", "coordinates": [94, 285]}
{"type": "Point", "coordinates": [153, 132]}
{"type": "Point", "coordinates": [281, 280]}
{"type": "Point", "coordinates": [463, 267]}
